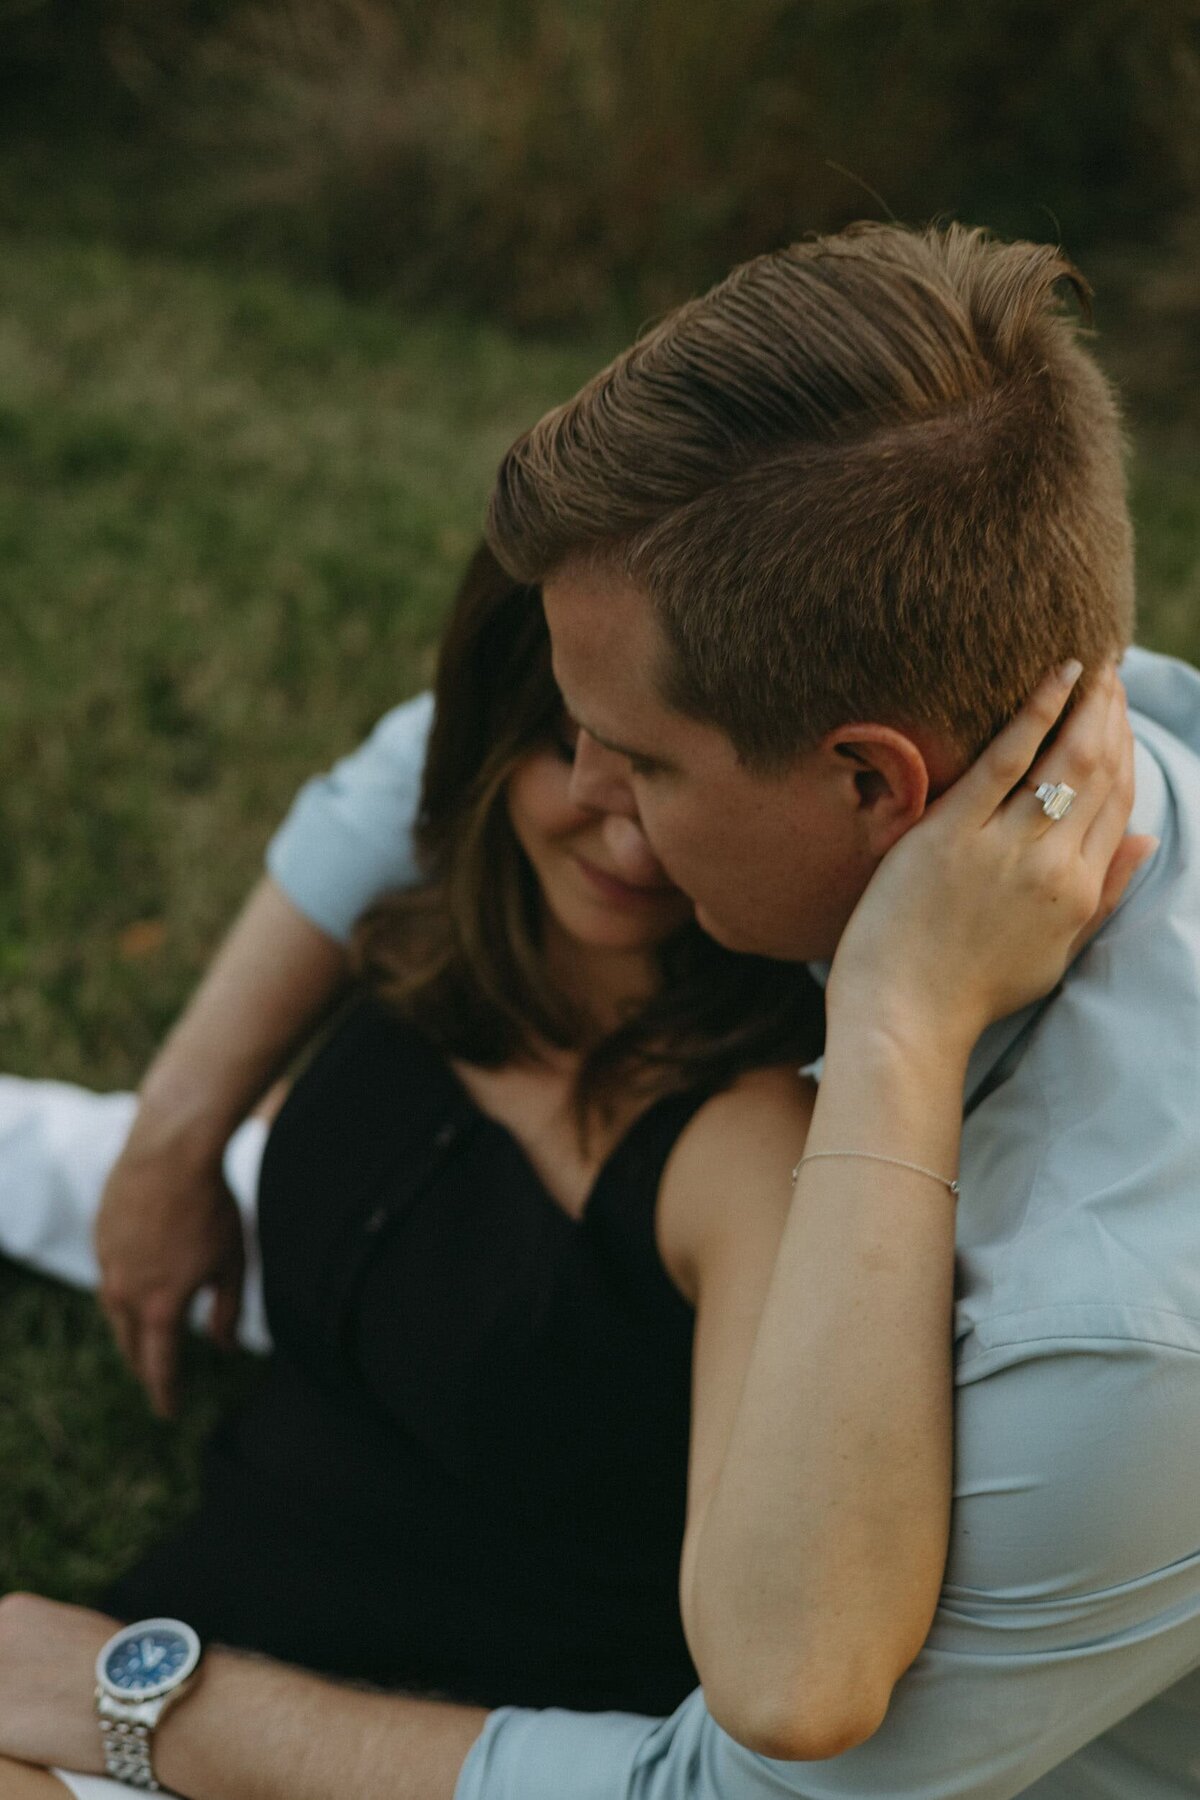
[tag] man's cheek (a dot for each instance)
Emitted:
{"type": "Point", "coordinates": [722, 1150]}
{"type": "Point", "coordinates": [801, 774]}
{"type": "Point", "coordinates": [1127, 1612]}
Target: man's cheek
{"type": "Point", "coordinates": [680, 868]}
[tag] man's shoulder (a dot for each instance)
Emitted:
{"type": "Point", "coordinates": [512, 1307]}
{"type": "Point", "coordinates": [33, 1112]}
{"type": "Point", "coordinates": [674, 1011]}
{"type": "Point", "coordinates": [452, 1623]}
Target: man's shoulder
{"type": "Point", "coordinates": [1165, 690]}
{"type": "Point", "coordinates": [1080, 1211]}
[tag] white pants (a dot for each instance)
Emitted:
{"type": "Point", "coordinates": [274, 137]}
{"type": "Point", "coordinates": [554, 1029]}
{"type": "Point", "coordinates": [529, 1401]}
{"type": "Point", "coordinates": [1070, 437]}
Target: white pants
{"type": "Point", "coordinates": [57, 1145]}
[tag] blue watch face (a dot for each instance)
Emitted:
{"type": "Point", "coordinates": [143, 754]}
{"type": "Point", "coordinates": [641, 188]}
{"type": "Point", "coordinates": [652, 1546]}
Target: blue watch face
{"type": "Point", "coordinates": [146, 1660]}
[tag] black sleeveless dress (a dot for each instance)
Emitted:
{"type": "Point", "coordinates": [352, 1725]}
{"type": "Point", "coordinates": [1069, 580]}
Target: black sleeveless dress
{"type": "Point", "coordinates": [463, 1471]}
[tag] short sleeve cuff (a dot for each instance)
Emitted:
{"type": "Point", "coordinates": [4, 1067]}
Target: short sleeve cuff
{"type": "Point", "coordinates": [552, 1754]}
{"type": "Point", "coordinates": [348, 838]}
{"type": "Point", "coordinates": [329, 870]}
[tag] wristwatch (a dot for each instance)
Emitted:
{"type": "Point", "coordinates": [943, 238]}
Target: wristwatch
{"type": "Point", "coordinates": [141, 1671]}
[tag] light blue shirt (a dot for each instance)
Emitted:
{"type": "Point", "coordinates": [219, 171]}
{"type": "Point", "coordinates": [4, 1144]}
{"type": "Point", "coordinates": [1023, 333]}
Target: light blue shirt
{"type": "Point", "coordinates": [1064, 1658]}
{"type": "Point", "coordinates": [348, 836]}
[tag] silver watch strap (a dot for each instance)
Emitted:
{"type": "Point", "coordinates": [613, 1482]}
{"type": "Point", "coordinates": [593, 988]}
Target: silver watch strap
{"type": "Point", "coordinates": [127, 1752]}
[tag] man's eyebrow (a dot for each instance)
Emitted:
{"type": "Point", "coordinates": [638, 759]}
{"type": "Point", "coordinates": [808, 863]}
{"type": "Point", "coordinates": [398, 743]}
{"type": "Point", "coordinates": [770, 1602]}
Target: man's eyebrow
{"type": "Point", "coordinates": [642, 756]}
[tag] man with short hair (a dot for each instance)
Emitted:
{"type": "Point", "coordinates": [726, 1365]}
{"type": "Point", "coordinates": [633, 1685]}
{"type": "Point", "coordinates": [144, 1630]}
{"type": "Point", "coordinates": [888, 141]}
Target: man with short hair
{"type": "Point", "coordinates": [803, 550]}
{"type": "Point", "coordinates": [875, 478]}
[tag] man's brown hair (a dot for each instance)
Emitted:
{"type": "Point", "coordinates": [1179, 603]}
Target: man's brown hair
{"type": "Point", "coordinates": [873, 476]}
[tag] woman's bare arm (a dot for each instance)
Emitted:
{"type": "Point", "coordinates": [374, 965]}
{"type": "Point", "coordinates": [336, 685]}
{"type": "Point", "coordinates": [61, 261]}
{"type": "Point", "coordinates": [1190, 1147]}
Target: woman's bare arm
{"type": "Point", "coordinates": [820, 1483]}
{"type": "Point", "coordinates": [819, 1479]}
{"type": "Point", "coordinates": [817, 1532]}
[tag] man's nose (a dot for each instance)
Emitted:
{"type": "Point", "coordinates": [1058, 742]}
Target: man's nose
{"type": "Point", "coordinates": [600, 779]}
{"type": "Point", "coordinates": [630, 856]}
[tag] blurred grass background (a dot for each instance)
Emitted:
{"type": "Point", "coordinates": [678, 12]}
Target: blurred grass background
{"type": "Point", "coordinates": [231, 509]}
{"type": "Point", "coordinates": [280, 280]}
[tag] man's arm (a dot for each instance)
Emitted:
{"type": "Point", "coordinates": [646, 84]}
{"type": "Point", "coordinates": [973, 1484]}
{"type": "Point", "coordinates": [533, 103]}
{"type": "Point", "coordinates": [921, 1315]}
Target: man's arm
{"type": "Point", "coordinates": [168, 1225]}
{"type": "Point", "coordinates": [1072, 1597]}
{"type": "Point", "coordinates": [248, 1730]}
{"type": "Point", "coordinates": [259, 1731]}
{"type": "Point", "coordinates": [18, 1781]}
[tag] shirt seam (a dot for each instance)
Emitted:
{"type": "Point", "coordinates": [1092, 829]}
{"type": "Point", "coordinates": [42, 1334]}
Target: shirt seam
{"type": "Point", "coordinates": [1068, 1340]}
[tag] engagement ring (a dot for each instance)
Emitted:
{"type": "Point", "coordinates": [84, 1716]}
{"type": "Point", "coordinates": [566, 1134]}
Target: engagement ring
{"type": "Point", "coordinates": [1056, 797]}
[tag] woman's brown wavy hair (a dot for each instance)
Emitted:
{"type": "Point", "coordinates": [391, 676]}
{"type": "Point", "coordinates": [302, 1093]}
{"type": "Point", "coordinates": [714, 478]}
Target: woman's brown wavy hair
{"type": "Point", "coordinates": [461, 958]}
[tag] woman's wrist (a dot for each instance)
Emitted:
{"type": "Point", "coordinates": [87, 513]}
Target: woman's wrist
{"type": "Point", "coordinates": [891, 1087]}
{"type": "Point", "coordinates": [891, 1036]}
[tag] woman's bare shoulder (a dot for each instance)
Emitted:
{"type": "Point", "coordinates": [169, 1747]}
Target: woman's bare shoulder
{"type": "Point", "coordinates": [729, 1174]}
{"type": "Point", "coordinates": [775, 1101]}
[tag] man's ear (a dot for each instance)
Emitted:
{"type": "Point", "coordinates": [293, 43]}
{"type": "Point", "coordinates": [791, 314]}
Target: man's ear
{"type": "Point", "coordinates": [886, 778]}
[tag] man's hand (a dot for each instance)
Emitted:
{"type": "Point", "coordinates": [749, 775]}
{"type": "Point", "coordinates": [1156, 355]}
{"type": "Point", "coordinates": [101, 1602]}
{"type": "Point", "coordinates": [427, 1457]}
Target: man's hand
{"type": "Point", "coordinates": [165, 1230]}
{"type": "Point", "coordinates": [168, 1225]}
{"type": "Point", "coordinates": [47, 1682]}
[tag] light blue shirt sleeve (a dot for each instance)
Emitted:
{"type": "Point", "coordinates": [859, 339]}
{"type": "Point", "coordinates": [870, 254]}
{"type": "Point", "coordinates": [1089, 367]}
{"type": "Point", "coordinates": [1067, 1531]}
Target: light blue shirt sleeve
{"type": "Point", "coordinates": [1072, 1599]}
{"type": "Point", "coordinates": [348, 837]}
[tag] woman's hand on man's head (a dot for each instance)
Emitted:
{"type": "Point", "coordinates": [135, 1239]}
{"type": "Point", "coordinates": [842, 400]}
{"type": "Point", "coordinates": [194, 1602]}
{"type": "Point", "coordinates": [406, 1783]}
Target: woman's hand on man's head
{"type": "Point", "coordinates": [981, 907]}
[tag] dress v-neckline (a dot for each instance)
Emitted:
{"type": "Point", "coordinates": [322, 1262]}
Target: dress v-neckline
{"type": "Point", "coordinates": [616, 1151]}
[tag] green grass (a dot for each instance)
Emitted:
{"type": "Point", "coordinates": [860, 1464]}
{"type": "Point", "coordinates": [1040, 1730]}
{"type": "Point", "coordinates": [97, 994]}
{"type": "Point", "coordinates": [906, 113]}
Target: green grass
{"type": "Point", "coordinates": [231, 511]}
{"type": "Point", "coordinates": [230, 514]}
{"type": "Point", "coordinates": [89, 1477]}
{"type": "Point", "coordinates": [1166, 506]}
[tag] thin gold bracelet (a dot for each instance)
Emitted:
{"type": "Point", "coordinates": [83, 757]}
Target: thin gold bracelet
{"type": "Point", "coordinates": [871, 1156]}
